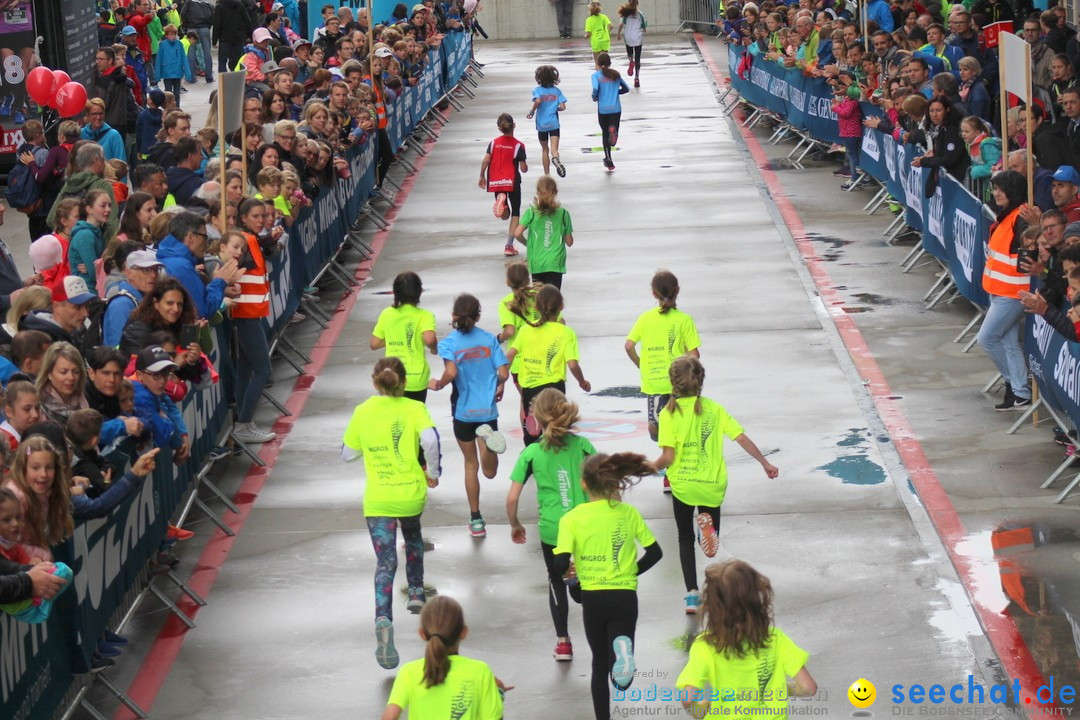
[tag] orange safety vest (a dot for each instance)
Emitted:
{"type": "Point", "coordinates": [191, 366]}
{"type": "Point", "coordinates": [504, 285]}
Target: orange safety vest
{"type": "Point", "coordinates": [254, 300]}
{"type": "Point", "coordinates": [1000, 276]}
{"type": "Point", "coordinates": [380, 106]}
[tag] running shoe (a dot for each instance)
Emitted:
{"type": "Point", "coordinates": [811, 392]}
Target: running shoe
{"type": "Point", "coordinates": [613, 136]}
{"type": "Point", "coordinates": [709, 540]}
{"type": "Point", "coordinates": [385, 652]}
{"type": "Point", "coordinates": [842, 172]}
{"type": "Point", "coordinates": [500, 205]}
{"type": "Point", "coordinates": [417, 598]}
{"type": "Point", "coordinates": [630, 70]}
{"type": "Point", "coordinates": [510, 251]}
{"type": "Point", "coordinates": [609, 164]}
{"type": "Point", "coordinates": [115, 638]}
{"type": "Point", "coordinates": [693, 602]}
{"type": "Point", "coordinates": [493, 439]}
{"type": "Point", "coordinates": [558, 166]}
{"type": "Point", "coordinates": [104, 649]}
{"type": "Point", "coordinates": [478, 528]}
{"type": "Point", "coordinates": [1020, 403]}
{"type": "Point", "coordinates": [7, 105]}
{"type": "Point", "coordinates": [637, 82]}
{"type": "Point", "coordinates": [176, 533]}
{"type": "Point", "coordinates": [564, 651]}
{"type": "Point", "coordinates": [532, 425]}
{"type": "Point", "coordinates": [622, 671]}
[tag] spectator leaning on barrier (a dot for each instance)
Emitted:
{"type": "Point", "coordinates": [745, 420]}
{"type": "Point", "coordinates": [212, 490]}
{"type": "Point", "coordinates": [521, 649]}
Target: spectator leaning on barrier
{"type": "Point", "coordinates": [182, 250]}
{"type": "Point", "coordinates": [999, 335]}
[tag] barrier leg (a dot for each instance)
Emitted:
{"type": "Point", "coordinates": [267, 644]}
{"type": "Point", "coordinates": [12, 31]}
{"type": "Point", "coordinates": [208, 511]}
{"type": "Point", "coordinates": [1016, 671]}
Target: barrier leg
{"type": "Point", "coordinates": [989, 387]}
{"type": "Point", "coordinates": [798, 146]}
{"type": "Point", "coordinates": [369, 213]}
{"type": "Point", "coordinates": [272, 400]}
{"type": "Point", "coordinates": [252, 455]}
{"type": "Point", "coordinates": [893, 229]}
{"type": "Point", "coordinates": [1067, 491]}
{"type": "Point", "coordinates": [214, 518]}
{"type": "Point", "coordinates": [172, 607]}
{"type": "Point", "coordinates": [751, 118]}
{"type": "Point", "coordinates": [425, 128]}
{"type": "Point", "coordinates": [121, 696]}
{"type": "Point", "coordinates": [315, 312]}
{"type": "Point", "coordinates": [912, 257]}
{"type": "Point", "coordinates": [942, 277]}
{"type": "Point", "coordinates": [438, 113]}
{"type": "Point", "coordinates": [405, 163]}
{"type": "Point", "coordinates": [1059, 472]}
{"type": "Point", "coordinates": [357, 242]}
{"type": "Point", "coordinates": [979, 315]}
{"type": "Point", "coordinates": [468, 78]}
{"type": "Point", "coordinates": [393, 183]}
{"type": "Point", "coordinates": [291, 346]}
{"type": "Point", "coordinates": [875, 201]}
{"type": "Point", "coordinates": [945, 290]}
{"type": "Point", "coordinates": [184, 588]}
{"type": "Point", "coordinates": [458, 105]}
{"type": "Point", "coordinates": [91, 710]}
{"type": "Point", "coordinates": [415, 146]}
{"type": "Point", "coordinates": [1032, 409]}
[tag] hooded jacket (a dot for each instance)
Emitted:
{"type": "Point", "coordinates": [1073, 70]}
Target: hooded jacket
{"type": "Point", "coordinates": [231, 22]}
{"type": "Point", "coordinates": [146, 129]}
{"type": "Point", "coordinates": [108, 138]}
{"type": "Point", "coordinates": [172, 62]}
{"type": "Point", "coordinates": [160, 416]}
{"type": "Point", "coordinates": [163, 154]}
{"type": "Point", "coordinates": [197, 14]}
{"type": "Point", "coordinates": [113, 87]}
{"type": "Point", "coordinates": [77, 186]}
{"type": "Point", "coordinates": [87, 245]}
{"type": "Point", "coordinates": [183, 183]}
{"type": "Point", "coordinates": [180, 263]}
{"type": "Point", "coordinates": [43, 320]}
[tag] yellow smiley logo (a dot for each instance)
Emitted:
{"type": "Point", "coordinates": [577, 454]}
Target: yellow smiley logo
{"type": "Point", "coordinates": [862, 693]}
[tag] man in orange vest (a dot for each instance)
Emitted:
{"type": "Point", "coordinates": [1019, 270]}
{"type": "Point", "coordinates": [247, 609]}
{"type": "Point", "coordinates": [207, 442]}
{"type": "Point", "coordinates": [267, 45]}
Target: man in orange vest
{"type": "Point", "coordinates": [1002, 279]}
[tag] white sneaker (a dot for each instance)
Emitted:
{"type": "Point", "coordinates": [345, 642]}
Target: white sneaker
{"type": "Point", "coordinates": [249, 433]}
{"type": "Point", "coordinates": [494, 439]}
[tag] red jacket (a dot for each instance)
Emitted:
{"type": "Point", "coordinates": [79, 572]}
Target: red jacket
{"type": "Point", "coordinates": [139, 22]}
{"type": "Point", "coordinates": [848, 117]}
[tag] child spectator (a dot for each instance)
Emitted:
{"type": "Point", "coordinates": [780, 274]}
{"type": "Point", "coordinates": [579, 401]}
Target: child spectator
{"type": "Point", "coordinates": [154, 367]}
{"type": "Point", "coordinates": [83, 430]}
{"type": "Point", "coordinates": [149, 123]}
{"type": "Point", "coordinates": [171, 64]}
{"type": "Point", "coordinates": [87, 240]}
{"type": "Point", "coordinates": [49, 253]}
{"type": "Point", "coordinates": [116, 172]}
{"type": "Point", "coordinates": [21, 410]}
{"type": "Point", "coordinates": [40, 478]}
{"type": "Point", "coordinates": [31, 609]}
{"type": "Point", "coordinates": [28, 351]}
{"type": "Point", "coordinates": [984, 149]}
{"type": "Point", "coordinates": [849, 119]}
{"type": "Point", "coordinates": [269, 182]}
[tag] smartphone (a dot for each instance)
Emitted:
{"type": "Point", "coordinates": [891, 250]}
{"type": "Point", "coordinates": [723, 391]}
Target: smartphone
{"type": "Point", "coordinates": [189, 334]}
{"type": "Point", "coordinates": [1023, 256]}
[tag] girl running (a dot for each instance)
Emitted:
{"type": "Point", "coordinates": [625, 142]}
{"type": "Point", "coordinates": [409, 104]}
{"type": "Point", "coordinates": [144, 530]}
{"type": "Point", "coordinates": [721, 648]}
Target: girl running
{"type": "Point", "coordinates": [547, 348]}
{"type": "Point", "coordinates": [607, 86]}
{"type": "Point", "coordinates": [390, 430]}
{"type": "Point", "coordinates": [548, 100]}
{"type": "Point", "coordinates": [478, 369]}
{"type": "Point", "coordinates": [741, 649]}
{"type": "Point", "coordinates": [550, 233]}
{"type": "Point", "coordinates": [555, 463]}
{"type": "Point", "coordinates": [601, 537]}
{"type": "Point", "coordinates": [598, 30]}
{"type": "Point", "coordinates": [405, 329]}
{"type": "Point", "coordinates": [632, 21]}
{"type": "Point", "coordinates": [692, 449]}
{"type": "Point", "coordinates": [444, 683]}
{"type": "Point", "coordinates": [500, 173]}
{"type": "Point", "coordinates": [519, 306]}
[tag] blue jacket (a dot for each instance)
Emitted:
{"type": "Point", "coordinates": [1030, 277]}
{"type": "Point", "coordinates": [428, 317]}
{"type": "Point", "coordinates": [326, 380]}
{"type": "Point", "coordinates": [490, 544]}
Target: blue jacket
{"type": "Point", "coordinates": [182, 183]}
{"type": "Point", "coordinates": [160, 416]}
{"type": "Point", "coordinates": [7, 369]}
{"type": "Point", "coordinates": [180, 263]}
{"type": "Point", "coordinates": [109, 140]}
{"type": "Point", "coordinates": [606, 93]}
{"type": "Point", "coordinates": [116, 316]}
{"type": "Point", "coordinates": [292, 11]}
{"type": "Point", "coordinates": [172, 62]}
{"type": "Point", "coordinates": [87, 245]}
{"type": "Point", "coordinates": [146, 128]}
{"type": "Point", "coordinates": [878, 11]}
{"type": "Point", "coordinates": [84, 507]}
{"type": "Point", "coordinates": [136, 61]}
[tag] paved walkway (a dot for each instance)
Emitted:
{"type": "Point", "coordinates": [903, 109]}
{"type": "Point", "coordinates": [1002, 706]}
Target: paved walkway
{"type": "Point", "coordinates": [860, 577]}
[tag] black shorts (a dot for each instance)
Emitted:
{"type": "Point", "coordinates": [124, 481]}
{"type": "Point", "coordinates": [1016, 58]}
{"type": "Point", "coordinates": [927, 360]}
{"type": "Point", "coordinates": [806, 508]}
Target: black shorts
{"type": "Point", "coordinates": [545, 134]}
{"type": "Point", "coordinates": [548, 278]}
{"type": "Point", "coordinates": [466, 431]}
{"type": "Point", "coordinates": [514, 198]}
{"type": "Point", "coordinates": [420, 395]}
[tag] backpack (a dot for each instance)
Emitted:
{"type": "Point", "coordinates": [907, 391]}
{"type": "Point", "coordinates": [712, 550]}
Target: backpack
{"type": "Point", "coordinates": [23, 191]}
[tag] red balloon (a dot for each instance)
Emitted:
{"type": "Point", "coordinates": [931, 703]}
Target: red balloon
{"type": "Point", "coordinates": [71, 99]}
{"type": "Point", "coordinates": [60, 79]}
{"type": "Point", "coordinates": [39, 85]}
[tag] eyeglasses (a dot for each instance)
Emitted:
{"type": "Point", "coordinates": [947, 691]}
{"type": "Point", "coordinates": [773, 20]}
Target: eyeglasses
{"type": "Point", "coordinates": [96, 114]}
{"type": "Point", "coordinates": [161, 376]}
{"type": "Point", "coordinates": [286, 137]}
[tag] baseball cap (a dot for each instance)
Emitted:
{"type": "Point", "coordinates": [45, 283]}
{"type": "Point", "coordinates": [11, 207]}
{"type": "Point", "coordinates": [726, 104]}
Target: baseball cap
{"type": "Point", "coordinates": [142, 259]}
{"type": "Point", "coordinates": [276, 7]}
{"type": "Point", "coordinates": [260, 35]}
{"type": "Point", "coordinates": [1067, 173]}
{"type": "Point", "coordinates": [418, 8]}
{"type": "Point", "coordinates": [154, 359]}
{"type": "Point", "coordinates": [269, 67]}
{"type": "Point", "coordinates": [300, 42]}
{"type": "Point", "coordinates": [383, 52]}
{"type": "Point", "coordinates": [128, 30]}
{"type": "Point", "coordinates": [73, 290]}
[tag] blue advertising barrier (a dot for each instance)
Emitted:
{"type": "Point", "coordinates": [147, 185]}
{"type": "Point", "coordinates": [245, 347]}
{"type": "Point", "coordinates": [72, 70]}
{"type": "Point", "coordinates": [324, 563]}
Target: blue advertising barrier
{"type": "Point", "coordinates": [954, 224]}
{"type": "Point", "coordinates": [37, 662]}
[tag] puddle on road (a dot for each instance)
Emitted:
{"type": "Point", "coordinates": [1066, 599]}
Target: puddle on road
{"type": "Point", "coordinates": [873, 299]}
{"type": "Point", "coordinates": [621, 391]}
{"type": "Point", "coordinates": [854, 466]}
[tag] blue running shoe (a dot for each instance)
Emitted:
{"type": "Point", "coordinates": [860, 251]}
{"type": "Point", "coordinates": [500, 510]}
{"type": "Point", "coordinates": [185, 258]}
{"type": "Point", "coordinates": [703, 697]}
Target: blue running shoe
{"type": "Point", "coordinates": [622, 672]}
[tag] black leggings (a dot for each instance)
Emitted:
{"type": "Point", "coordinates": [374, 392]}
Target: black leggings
{"type": "Point", "coordinates": [557, 599]}
{"type": "Point", "coordinates": [633, 54]}
{"type": "Point", "coordinates": [548, 278]}
{"type": "Point", "coordinates": [607, 614]}
{"type": "Point", "coordinates": [686, 527]}
{"type": "Point", "coordinates": [607, 122]}
{"type": "Point", "coordinates": [527, 395]}
{"type": "Point", "coordinates": [386, 156]}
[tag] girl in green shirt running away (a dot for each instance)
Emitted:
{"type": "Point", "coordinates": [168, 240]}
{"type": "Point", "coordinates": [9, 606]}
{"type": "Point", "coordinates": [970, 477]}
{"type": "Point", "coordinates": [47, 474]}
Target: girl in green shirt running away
{"type": "Point", "coordinates": [546, 348]}
{"type": "Point", "coordinates": [550, 233]}
{"type": "Point", "coordinates": [601, 537]}
{"type": "Point", "coordinates": [740, 650]}
{"type": "Point", "coordinates": [555, 462]}
{"type": "Point", "coordinates": [692, 430]}
{"type": "Point", "coordinates": [445, 683]}
{"type": "Point", "coordinates": [405, 330]}
{"type": "Point", "coordinates": [390, 431]}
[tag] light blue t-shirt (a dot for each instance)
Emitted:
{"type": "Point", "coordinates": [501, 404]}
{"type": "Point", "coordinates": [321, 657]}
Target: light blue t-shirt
{"type": "Point", "coordinates": [478, 356]}
{"type": "Point", "coordinates": [547, 115]}
{"type": "Point", "coordinates": [606, 93]}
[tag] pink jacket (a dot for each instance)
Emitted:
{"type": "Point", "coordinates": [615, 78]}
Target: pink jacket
{"type": "Point", "coordinates": [848, 117]}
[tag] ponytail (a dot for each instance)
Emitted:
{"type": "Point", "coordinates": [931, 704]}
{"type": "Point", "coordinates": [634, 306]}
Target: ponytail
{"type": "Point", "coordinates": [442, 623]}
{"type": "Point", "coordinates": [603, 62]}
{"type": "Point", "coordinates": [389, 376]}
{"type": "Point", "coordinates": [549, 303]}
{"type": "Point", "coordinates": [665, 287]}
{"type": "Point", "coordinates": [466, 312]}
{"type": "Point", "coordinates": [556, 415]}
{"type": "Point", "coordinates": [687, 376]}
{"type": "Point", "coordinates": [524, 290]}
{"type": "Point", "coordinates": [607, 476]}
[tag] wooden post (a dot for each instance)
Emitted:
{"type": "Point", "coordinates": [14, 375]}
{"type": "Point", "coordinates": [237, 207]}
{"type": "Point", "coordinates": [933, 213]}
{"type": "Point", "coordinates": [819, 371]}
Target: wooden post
{"type": "Point", "coordinates": [1004, 101]}
{"type": "Point", "coordinates": [370, 5]}
{"type": "Point", "coordinates": [243, 154]}
{"type": "Point", "coordinates": [1028, 132]}
{"type": "Point", "coordinates": [865, 26]}
{"type": "Point", "coordinates": [221, 150]}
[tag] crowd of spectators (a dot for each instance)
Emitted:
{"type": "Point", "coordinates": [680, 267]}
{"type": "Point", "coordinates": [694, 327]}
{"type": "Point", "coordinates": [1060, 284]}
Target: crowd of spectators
{"type": "Point", "coordinates": [931, 70]}
{"type": "Point", "coordinates": [136, 255]}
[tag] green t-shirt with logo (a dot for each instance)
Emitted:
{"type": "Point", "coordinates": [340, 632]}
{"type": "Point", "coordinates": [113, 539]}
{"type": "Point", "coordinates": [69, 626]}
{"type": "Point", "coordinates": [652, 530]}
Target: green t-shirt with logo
{"type": "Point", "coordinates": [469, 691]}
{"type": "Point", "coordinates": [601, 536]}
{"type": "Point", "coordinates": [558, 480]}
{"type": "Point", "coordinates": [544, 352]}
{"type": "Point", "coordinates": [745, 685]}
{"type": "Point", "coordinates": [663, 337]}
{"type": "Point", "coordinates": [387, 431]}
{"type": "Point", "coordinates": [698, 475]}
{"type": "Point", "coordinates": [402, 329]}
{"type": "Point", "coordinates": [544, 241]}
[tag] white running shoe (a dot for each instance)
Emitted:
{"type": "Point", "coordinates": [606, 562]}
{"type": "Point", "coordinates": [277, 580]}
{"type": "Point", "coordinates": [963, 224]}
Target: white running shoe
{"type": "Point", "coordinates": [494, 439]}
